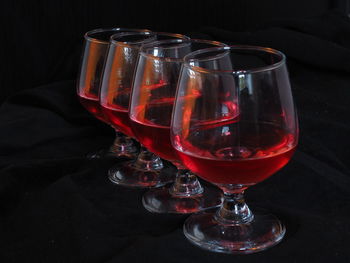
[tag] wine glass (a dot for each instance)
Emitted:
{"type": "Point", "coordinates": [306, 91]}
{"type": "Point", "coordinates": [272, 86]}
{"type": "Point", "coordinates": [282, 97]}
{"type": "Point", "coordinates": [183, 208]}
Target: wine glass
{"type": "Point", "coordinates": [234, 124]}
{"type": "Point", "coordinates": [96, 44]}
{"type": "Point", "coordinates": [148, 169]}
{"type": "Point", "coordinates": [150, 112]}
{"type": "Point", "coordinates": [116, 84]}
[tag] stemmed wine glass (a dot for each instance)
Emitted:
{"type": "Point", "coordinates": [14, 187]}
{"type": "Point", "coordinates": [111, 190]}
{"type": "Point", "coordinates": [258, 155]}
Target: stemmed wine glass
{"type": "Point", "coordinates": [148, 169]}
{"type": "Point", "coordinates": [234, 124]}
{"type": "Point", "coordinates": [150, 112]}
{"type": "Point", "coordinates": [96, 44]}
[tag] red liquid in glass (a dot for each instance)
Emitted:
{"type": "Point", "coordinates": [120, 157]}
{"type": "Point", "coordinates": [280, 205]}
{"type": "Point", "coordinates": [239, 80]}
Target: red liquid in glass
{"type": "Point", "coordinates": [156, 139]}
{"type": "Point", "coordinates": [264, 149]}
{"type": "Point", "coordinates": [151, 125]}
{"type": "Point", "coordinates": [93, 106]}
{"type": "Point", "coordinates": [119, 119]}
{"type": "Point", "coordinates": [249, 171]}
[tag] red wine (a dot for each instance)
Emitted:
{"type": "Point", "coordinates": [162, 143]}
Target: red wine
{"type": "Point", "coordinates": [151, 125]}
{"type": "Point", "coordinates": [156, 139]}
{"type": "Point", "coordinates": [245, 171]}
{"type": "Point", "coordinates": [237, 153]}
{"type": "Point", "coordinates": [119, 119]}
{"type": "Point", "coordinates": [93, 106]}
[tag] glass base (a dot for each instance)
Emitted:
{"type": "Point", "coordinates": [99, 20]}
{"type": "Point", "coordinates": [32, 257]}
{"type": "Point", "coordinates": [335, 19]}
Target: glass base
{"type": "Point", "coordinates": [204, 231]}
{"type": "Point", "coordinates": [107, 153]}
{"type": "Point", "coordinates": [126, 174]}
{"type": "Point", "coordinates": [162, 201]}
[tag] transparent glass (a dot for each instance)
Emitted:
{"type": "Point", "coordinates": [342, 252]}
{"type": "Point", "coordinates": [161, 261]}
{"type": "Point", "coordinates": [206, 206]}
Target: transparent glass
{"type": "Point", "coordinates": [148, 169]}
{"type": "Point", "coordinates": [234, 124]}
{"type": "Point", "coordinates": [150, 112]}
{"type": "Point", "coordinates": [95, 50]}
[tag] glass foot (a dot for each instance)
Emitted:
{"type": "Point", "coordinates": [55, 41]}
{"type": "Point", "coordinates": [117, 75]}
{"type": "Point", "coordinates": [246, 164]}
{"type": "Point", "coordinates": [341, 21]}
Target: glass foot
{"type": "Point", "coordinates": [126, 174]}
{"type": "Point", "coordinates": [263, 232]}
{"type": "Point", "coordinates": [107, 153]}
{"type": "Point", "coordinates": [161, 200]}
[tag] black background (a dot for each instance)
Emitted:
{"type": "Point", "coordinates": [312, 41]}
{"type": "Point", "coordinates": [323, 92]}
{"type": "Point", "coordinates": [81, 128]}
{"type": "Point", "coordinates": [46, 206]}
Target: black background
{"type": "Point", "coordinates": [58, 207]}
{"type": "Point", "coordinates": [41, 40]}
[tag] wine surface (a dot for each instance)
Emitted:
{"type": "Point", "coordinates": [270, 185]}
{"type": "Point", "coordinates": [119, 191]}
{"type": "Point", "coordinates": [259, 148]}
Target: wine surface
{"type": "Point", "coordinates": [235, 153]}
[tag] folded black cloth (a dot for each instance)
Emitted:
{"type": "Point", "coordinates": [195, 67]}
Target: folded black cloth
{"type": "Point", "coordinates": [323, 42]}
{"type": "Point", "coordinates": [57, 206]}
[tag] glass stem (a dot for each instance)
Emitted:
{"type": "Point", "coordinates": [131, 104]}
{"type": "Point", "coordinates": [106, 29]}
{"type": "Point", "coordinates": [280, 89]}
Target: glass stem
{"type": "Point", "coordinates": [148, 161]}
{"type": "Point", "coordinates": [123, 146]}
{"type": "Point", "coordinates": [186, 184]}
{"type": "Point", "coordinates": [234, 210]}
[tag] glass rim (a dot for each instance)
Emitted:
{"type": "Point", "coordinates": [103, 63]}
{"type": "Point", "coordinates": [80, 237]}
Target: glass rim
{"type": "Point", "coordinates": [156, 44]}
{"type": "Point", "coordinates": [189, 58]}
{"type": "Point", "coordinates": [175, 35]}
{"type": "Point", "coordinates": [151, 38]}
{"type": "Point", "coordinates": [89, 38]}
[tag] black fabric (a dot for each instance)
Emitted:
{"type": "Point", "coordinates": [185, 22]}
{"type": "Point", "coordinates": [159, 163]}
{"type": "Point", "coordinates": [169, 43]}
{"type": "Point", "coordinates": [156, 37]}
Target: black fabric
{"type": "Point", "coordinates": [40, 42]}
{"type": "Point", "coordinates": [56, 206]}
